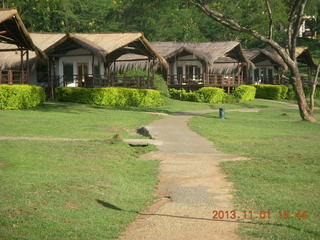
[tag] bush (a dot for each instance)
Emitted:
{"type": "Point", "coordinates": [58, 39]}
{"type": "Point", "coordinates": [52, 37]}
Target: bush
{"type": "Point", "coordinates": [290, 94]}
{"type": "Point", "coordinates": [244, 93]}
{"type": "Point", "coordinates": [182, 95]}
{"type": "Point", "coordinates": [268, 91]}
{"type": "Point", "coordinates": [159, 82]}
{"type": "Point", "coordinates": [20, 96]}
{"type": "Point", "coordinates": [210, 95]}
{"type": "Point", "coordinates": [121, 97]}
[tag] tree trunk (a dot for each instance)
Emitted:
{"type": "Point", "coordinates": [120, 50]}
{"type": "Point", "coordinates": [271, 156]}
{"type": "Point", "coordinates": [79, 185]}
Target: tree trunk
{"type": "Point", "coordinates": [313, 90]}
{"type": "Point", "coordinates": [288, 57]}
{"type": "Point", "coordinates": [304, 110]}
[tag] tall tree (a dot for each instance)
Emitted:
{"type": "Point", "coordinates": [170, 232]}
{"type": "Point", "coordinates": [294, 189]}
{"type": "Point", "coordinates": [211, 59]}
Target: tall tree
{"type": "Point", "coordinates": [288, 53]}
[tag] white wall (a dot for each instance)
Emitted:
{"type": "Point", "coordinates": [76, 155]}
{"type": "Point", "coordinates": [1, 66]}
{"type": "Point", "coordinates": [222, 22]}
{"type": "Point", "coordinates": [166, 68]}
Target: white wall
{"type": "Point", "coordinates": [182, 62]}
{"type": "Point", "coordinates": [75, 60]}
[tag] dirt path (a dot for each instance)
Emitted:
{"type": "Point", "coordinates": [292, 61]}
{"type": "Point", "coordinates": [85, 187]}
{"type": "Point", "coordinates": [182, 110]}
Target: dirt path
{"type": "Point", "coordinates": [191, 186]}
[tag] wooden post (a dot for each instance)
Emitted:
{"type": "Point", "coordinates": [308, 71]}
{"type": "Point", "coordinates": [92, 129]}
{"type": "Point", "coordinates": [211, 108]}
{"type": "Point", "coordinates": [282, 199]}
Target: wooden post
{"type": "Point", "coordinates": [28, 66]}
{"type": "Point", "coordinates": [21, 66]}
{"type": "Point", "coordinates": [148, 78]}
{"type": "Point", "coordinates": [50, 83]}
{"type": "Point", "coordinates": [10, 76]}
{"type": "Point", "coordinates": [0, 76]}
{"type": "Point", "coordinates": [92, 71]}
{"type": "Point", "coordinates": [152, 76]}
{"type": "Point", "coordinates": [114, 73]}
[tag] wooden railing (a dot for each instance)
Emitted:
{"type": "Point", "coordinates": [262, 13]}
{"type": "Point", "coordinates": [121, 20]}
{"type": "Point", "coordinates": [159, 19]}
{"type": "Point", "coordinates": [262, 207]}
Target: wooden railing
{"type": "Point", "coordinates": [13, 77]}
{"type": "Point", "coordinates": [118, 80]}
{"type": "Point", "coordinates": [212, 80]}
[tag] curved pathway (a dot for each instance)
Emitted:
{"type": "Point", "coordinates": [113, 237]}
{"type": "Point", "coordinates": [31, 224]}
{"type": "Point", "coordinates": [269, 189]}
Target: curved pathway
{"type": "Point", "coordinates": [191, 186]}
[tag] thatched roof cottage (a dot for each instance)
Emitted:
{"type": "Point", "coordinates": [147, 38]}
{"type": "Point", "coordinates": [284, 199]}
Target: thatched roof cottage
{"type": "Point", "coordinates": [196, 64]}
{"type": "Point", "coordinates": [269, 66]}
{"type": "Point", "coordinates": [81, 59]}
{"type": "Point", "coordinates": [15, 41]}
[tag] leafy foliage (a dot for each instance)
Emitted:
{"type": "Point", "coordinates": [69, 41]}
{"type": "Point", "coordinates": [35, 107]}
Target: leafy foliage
{"type": "Point", "coordinates": [121, 97]}
{"type": "Point", "coordinates": [20, 96]}
{"type": "Point", "coordinates": [210, 95]}
{"type": "Point", "coordinates": [244, 93]}
{"type": "Point", "coordinates": [268, 91]}
{"type": "Point", "coordinates": [159, 83]}
{"type": "Point", "coordinates": [163, 20]}
{"type": "Point", "coordinates": [204, 95]}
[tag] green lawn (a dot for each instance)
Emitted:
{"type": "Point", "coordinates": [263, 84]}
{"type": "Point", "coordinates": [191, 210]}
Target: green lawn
{"type": "Point", "coordinates": [173, 106]}
{"type": "Point", "coordinates": [82, 189]}
{"type": "Point", "coordinates": [71, 190]}
{"type": "Point", "coordinates": [69, 120]}
{"type": "Point", "coordinates": [282, 173]}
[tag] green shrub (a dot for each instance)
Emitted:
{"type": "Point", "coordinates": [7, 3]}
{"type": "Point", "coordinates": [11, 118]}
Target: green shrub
{"type": "Point", "coordinates": [244, 93]}
{"type": "Point", "coordinates": [159, 82]}
{"type": "Point", "coordinates": [210, 95]}
{"type": "Point", "coordinates": [268, 91]}
{"type": "Point", "coordinates": [182, 95]}
{"type": "Point", "coordinates": [20, 96]}
{"type": "Point", "coordinates": [290, 94]}
{"type": "Point", "coordinates": [284, 91]}
{"type": "Point", "coordinates": [121, 97]}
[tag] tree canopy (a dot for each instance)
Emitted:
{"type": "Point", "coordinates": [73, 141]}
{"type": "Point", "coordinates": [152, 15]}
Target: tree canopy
{"type": "Point", "coordinates": [160, 20]}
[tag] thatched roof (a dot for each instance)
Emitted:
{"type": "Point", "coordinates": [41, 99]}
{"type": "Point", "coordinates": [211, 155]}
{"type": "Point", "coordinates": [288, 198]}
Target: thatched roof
{"type": "Point", "coordinates": [257, 55]}
{"type": "Point", "coordinates": [304, 56]}
{"type": "Point", "coordinates": [13, 31]}
{"type": "Point", "coordinates": [218, 56]}
{"type": "Point", "coordinates": [41, 40]}
{"type": "Point", "coordinates": [109, 46]}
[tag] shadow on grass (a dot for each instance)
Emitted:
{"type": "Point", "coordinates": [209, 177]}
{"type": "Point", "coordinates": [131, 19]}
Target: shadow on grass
{"type": "Point", "coordinates": [113, 207]}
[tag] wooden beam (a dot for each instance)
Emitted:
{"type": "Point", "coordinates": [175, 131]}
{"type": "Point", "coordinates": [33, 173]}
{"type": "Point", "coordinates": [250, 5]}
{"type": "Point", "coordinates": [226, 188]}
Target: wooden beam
{"type": "Point", "coordinates": [12, 49]}
{"type": "Point", "coordinates": [28, 72]}
{"type": "Point", "coordinates": [132, 60]}
{"type": "Point", "coordinates": [72, 55]}
{"type": "Point", "coordinates": [21, 66]}
{"type": "Point", "coordinates": [8, 40]}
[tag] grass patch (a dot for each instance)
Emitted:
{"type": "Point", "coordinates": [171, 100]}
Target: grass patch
{"type": "Point", "coordinates": [71, 190]}
{"type": "Point", "coordinates": [283, 173]}
{"type": "Point", "coordinates": [174, 106]}
{"type": "Point", "coordinates": [67, 120]}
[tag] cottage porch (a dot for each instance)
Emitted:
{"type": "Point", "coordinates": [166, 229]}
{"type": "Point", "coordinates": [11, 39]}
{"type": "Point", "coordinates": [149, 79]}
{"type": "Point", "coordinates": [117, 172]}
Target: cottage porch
{"type": "Point", "coordinates": [194, 82]}
{"type": "Point", "coordinates": [13, 77]}
{"type": "Point", "coordinates": [114, 80]}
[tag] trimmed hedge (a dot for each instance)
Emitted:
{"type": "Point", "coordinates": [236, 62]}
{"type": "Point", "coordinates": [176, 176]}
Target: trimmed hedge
{"type": "Point", "coordinates": [159, 83]}
{"type": "Point", "coordinates": [268, 91]}
{"type": "Point", "coordinates": [244, 93]}
{"type": "Point", "coordinates": [182, 95]}
{"type": "Point", "coordinates": [20, 96]}
{"type": "Point", "coordinates": [205, 94]}
{"type": "Point", "coordinates": [210, 95]}
{"type": "Point", "coordinates": [120, 97]}
{"type": "Point", "coordinates": [277, 92]}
